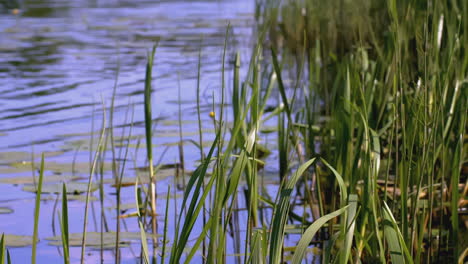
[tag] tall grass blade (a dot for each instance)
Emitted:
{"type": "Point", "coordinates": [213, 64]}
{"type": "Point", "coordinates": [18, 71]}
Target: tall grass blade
{"type": "Point", "coordinates": [144, 242]}
{"type": "Point", "coordinates": [90, 180]}
{"type": "Point", "coordinates": [196, 245]}
{"type": "Point", "coordinates": [256, 253]}
{"type": "Point", "coordinates": [310, 233]}
{"type": "Point", "coordinates": [149, 146]}
{"type": "Point", "coordinates": [281, 213]}
{"type": "Point", "coordinates": [193, 189]}
{"type": "Point", "coordinates": [64, 226]}
{"type": "Point", "coordinates": [37, 210]}
{"type": "Point", "coordinates": [2, 249]}
{"type": "Point", "coordinates": [398, 251]}
{"type": "Point", "coordinates": [350, 224]}
{"type": "Point", "coordinates": [281, 87]}
{"type": "Point", "coordinates": [455, 196]}
{"type": "Point", "coordinates": [166, 218]}
{"type": "Point", "coordinates": [341, 184]}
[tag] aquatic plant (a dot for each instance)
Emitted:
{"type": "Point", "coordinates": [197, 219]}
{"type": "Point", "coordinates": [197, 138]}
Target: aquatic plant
{"type": "Point", "coordinates": [367, 105]}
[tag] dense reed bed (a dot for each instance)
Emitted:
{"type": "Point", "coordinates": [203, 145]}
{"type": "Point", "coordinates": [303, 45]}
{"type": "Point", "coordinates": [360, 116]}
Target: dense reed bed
{"type": "Point", "coordinates": [367, 105]}
{"type": "Point", "coordinates": [385, 84]}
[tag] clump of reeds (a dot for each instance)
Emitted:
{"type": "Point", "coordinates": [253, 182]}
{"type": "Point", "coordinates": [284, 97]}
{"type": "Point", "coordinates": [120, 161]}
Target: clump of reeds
{"type": "Point", "coordinates": [370, 138]}
{"type": "Point", "coordinates": [385, 83]}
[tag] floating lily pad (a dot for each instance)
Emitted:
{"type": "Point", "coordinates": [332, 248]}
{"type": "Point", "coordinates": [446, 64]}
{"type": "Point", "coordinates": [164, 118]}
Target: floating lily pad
{"type": "Point", "coordinates": [70, 197]}
{"type": "Point", "coordinates": [123, 207]}
{"type": "Point", "coordinates": [5, 210]}
{"type": "Point", "coordinates": [165, 169]}
{"type": "Point", "coordinates": [93, 239]}
{"type": "Point", "coordinates": [127, 181]}
{"type": "Point", "coordinates": [129, 206]}
{"type": "Point", "coordinates": [31, 180]}
{"type": "Point", "coordinates": [9, 170]}
{"type": "Point", "coordinates": [82, 144]}
{"type": "Point", "coordinates": [19, 156]}
{"type": "Point", "coordinates": [176, 122]}
{"type": "Point", "coordinates": [181, 102]}
{"type": "Point", "coordinates": [175, 133]}
{"type": "Point", "coordinates": [77, 134]}
{"type": "Point", "coordinates": [206, 144]}
{"type": "Point", "coordinates": [72, 187]}
{"type": "Point", "coordinates": [107, 28]}
{"type": "Point", "coordinates": [17, 241]}
{"type": "Point", "coordinates": [79, 167]}
{"type": "Point", "coordinates": [143, 179]}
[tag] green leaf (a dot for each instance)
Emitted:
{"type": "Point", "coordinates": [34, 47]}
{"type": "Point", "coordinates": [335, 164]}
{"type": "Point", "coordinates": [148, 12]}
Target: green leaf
{"type": "Point", "coordinates": [281, 213]}
{"type": "Point", "coordinates": [2, 249]}
{"type": "Point", "coordinates": [350, 224]}
{"type": "Point", "coordinates": [37, 210]}
{"type": "Point", "coordinates": [397, 247]}
{"type": "Point", "coordinates": [310, 233]}
{"type": "Point", "coordinates": [64, 226]}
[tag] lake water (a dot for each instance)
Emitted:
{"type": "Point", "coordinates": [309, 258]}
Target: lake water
{"type": "Point", "coordinates": [58, 63]}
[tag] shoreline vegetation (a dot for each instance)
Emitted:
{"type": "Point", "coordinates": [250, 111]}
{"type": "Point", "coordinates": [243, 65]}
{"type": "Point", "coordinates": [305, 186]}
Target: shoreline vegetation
{"type": "Point", "coordinates": [368, 101]}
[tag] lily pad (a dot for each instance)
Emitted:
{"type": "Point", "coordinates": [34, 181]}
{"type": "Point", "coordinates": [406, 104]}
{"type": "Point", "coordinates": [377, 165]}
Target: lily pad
{"type": "Point", "coordinates": [5, 210]}
{"type": "Point", "coordinates": [205, 144]}
{"type": "Point", "coordinates": [19, 156]}
{"type": "Point", "coordinates": [176, 133]}
{"type": "Point", "coordinates": [129, 206]}
{"type": "Point", "coordinates": [70, 197]}
{"type": "Point", "coordinates": [143, 179]}
{"type": "Point", "coordinates": [9, 170]}
{"type": "Point", "coordinates": [123, 207]}
{"type": "Point", "coordinates": [31, 180]}
{"type": "Point", "coordinates": [176, 122]}
{"type": "Point", "coordinates": [79, 167]}
{"type": "Point", "coordinates": [93, 239]}
{"type": "Point", "coordinates": [72, 187]}
{"type": "Point", "coordinates": [17, 241]}
{"type": "Point", "coordinates": [181, 102]}
{"type": "Point", "coordinates": [127, 181]}
{"type": "Point", "coordinates": [83, 144]}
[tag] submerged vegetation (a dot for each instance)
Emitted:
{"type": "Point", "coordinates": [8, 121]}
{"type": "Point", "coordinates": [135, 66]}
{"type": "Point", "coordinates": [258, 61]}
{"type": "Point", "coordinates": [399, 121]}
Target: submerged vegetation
{"type": "Point", "coordinates": [367, 105]}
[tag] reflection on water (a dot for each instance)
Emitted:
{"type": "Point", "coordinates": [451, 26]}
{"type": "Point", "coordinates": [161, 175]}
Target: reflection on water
{"type": "Point", "coordinates": [59, 57]}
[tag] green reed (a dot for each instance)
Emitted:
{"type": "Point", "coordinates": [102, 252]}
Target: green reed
{"type": "Point", "coordinates": [93, 167]}
{"type": "Point", "coordinates": [389, 76]}
{"type": "Point", "coordinates": [64, 226]}
{"type": "Point", "coordinates": [368, 102]}
{"type": "Point", "coordinates": [37, 209]}
{"type": "Point", "coordinates": [149, 146]}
